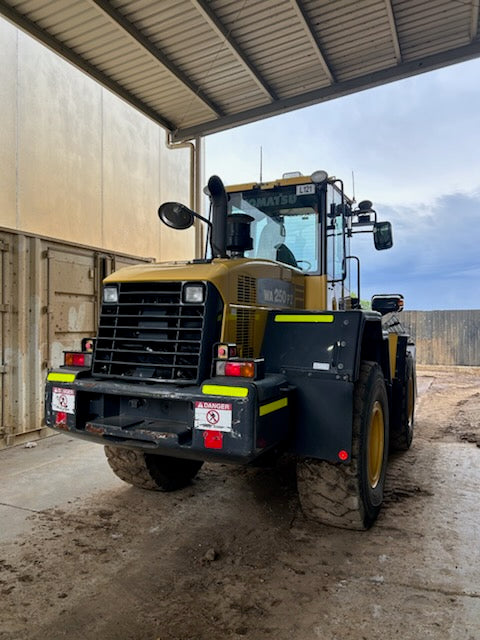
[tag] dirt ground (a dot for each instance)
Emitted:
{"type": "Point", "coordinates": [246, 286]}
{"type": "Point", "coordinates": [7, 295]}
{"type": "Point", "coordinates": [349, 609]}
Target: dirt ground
{"type": "Point", "coordinates": [233, 557]}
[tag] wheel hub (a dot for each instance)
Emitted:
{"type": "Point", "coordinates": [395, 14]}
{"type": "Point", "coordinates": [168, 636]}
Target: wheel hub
{"type": "Point", "coordinates": [376, 445]}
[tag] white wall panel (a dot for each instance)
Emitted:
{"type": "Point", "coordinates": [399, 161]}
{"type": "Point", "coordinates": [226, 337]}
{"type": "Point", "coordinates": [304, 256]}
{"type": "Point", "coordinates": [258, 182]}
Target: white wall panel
{"type": "Point", "coordinates": [131, 179]}
{"type": "Point", "coordinates": [59, 147]}
{"type": "Point", "coordinates": [8, 123]}
{"type": "Point", "coordinates": [80, 165]}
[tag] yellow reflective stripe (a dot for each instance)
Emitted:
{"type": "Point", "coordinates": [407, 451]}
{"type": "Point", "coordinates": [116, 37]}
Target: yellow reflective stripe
{"type": "Point", "coordinates": [61, 377]}
{"type": "Point", "coordinates": [304, 318]}
{"type": "Point", "coordinates": [221, 390]}
{"type": "Point", "coordinates": [273, 406]}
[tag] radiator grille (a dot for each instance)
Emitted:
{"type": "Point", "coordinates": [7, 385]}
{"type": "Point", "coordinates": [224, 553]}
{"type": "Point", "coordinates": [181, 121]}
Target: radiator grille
{"type": "Point", "coordinates": [247, 289]}
{"type": "Point", "coordinates": [151, 334]}
{"type": "Point", "coordinates": [245, 331]}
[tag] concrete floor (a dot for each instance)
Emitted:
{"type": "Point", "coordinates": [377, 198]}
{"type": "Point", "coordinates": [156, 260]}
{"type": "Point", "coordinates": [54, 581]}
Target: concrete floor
{"type": "Point", "coordinates": [55, 472]}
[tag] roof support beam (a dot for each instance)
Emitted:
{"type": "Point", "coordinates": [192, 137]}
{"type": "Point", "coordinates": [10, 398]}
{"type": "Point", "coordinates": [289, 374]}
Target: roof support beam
{"type": "Point", "coordinates": [474, 20]}
{"type": "Point", "coordinates": [224, 34]}
{"type": "Point", "coordinates": [374, 79]}
{"type": "Point", "coordinates": [393, 29]}
{"type": "Point", "coordinates": [139, 38]}
{"type": "Point", "coordinates": [55, 45]}
{"type": "Point", "coordinates": [312, 36]}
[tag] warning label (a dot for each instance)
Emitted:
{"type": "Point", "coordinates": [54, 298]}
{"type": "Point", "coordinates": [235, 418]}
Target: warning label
{"type": "Point", "coordinates": [63, 400]}
{"type": "Point", "coordinates": [213, 415]}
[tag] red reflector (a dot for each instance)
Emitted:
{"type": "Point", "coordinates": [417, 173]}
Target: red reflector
{"type": "Point", "coordinates": [213, 439]}
{"type": "Point", "coordinates": [61, 417]}
{"type": "Point", "coordinates": [74, 359]}
{"type": "Point", "coordinates": [241, 369]}
{"type": "Point", "coordinates": [343, 455]}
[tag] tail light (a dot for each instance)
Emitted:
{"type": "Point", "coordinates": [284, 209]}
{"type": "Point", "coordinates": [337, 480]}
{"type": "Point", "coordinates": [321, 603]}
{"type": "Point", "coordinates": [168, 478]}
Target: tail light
{"type": "Point", "coordinates": [240, 368]}
{"type": "Point", "coordinates": [77, 359]}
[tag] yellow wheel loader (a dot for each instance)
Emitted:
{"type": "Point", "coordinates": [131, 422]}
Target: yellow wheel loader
{"type": "Point", "coordinates": [255, 350]}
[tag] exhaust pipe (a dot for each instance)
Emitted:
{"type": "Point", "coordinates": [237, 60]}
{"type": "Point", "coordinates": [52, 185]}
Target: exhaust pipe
{"type": "Point", "coordinates": [218, 199]}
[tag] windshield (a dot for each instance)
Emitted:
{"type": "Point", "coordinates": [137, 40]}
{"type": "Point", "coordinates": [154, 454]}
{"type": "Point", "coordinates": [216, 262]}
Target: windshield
{"type": "Point", "coordinates": [285, 224]}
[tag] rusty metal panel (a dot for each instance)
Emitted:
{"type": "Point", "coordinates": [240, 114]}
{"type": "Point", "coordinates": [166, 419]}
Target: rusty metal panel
{"type": "Point", "coordinates": [446, 337]}
{"type": "Point", "coordinates": [71, 305]}
{"type": "Point", "coordinates": [49, 296]}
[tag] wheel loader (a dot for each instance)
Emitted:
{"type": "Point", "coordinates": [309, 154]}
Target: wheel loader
{"type": "Point", "coordinates": [259, 349]}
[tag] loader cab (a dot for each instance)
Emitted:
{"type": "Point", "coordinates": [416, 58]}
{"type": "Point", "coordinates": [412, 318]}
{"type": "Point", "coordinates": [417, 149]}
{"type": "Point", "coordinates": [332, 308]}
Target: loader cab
{"type": "Point", "coordinates": [306, 223]}
{"type": "Point", "coordinates": [300, 222]}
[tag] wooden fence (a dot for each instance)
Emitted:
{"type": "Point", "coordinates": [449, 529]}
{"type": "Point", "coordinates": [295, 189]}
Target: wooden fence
{"type": "Point", "coordinates": [445, 337]}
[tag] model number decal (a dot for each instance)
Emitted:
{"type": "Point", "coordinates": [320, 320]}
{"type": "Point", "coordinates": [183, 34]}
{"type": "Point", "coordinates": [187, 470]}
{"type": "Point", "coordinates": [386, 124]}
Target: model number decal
{"type": "Point", "coordinates": [275, 293]}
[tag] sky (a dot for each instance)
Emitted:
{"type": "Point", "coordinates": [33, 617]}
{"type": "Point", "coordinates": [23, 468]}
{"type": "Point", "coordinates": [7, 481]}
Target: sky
{"type": "Point", "coordinates": [414, 148]}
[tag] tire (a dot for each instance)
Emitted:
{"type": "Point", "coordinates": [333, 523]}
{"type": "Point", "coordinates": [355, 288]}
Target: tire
{"type": "Point", "coordinates": [148, 471]}
{"type": "Point", "coordinates": [350, 496]}
{"type": "Point", "coordinates": [403, 422]}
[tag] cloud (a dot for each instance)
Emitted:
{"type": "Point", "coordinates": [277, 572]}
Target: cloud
{"type": "Point", "coordinates": [435, 258]}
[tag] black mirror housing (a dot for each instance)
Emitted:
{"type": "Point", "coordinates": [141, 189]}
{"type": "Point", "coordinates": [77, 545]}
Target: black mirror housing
{"type": "Point", "coordinates": [382, 235]}
{"type": "Point", "coordinates": [176, 215]}
{"type": "Point", "coordinates": [387, 303]}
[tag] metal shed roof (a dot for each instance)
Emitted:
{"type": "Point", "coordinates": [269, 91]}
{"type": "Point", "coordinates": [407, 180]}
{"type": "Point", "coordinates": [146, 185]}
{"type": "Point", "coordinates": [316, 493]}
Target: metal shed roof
{"type": "Point", "coordinates": [201, 66]}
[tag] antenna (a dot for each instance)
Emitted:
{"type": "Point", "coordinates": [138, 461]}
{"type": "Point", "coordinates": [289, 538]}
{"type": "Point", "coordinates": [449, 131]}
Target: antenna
{"type": "Point", "coordinates": [261, 164]}
{"type": "Point", "coordinates": [353, 186]}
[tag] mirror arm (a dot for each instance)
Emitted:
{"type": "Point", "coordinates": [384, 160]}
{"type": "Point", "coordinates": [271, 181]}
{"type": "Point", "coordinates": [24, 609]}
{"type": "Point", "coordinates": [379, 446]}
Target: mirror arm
{"type": "Point", "coordinates": [197, 215]}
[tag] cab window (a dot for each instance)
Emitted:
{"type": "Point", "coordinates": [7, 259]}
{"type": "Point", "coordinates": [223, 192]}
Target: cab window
{"type": "Point", "coordinates": [285, 226]}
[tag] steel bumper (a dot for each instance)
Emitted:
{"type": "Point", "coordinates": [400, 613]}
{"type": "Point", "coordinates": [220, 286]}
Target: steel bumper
{"type": "Point", "coordinates": [224, 419]}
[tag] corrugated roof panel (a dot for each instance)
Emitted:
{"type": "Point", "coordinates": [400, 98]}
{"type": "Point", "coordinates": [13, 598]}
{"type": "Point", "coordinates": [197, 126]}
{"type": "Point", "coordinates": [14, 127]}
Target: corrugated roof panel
{"type": "Point", "coordinates": [238, 60]}
{"type": "Point", "coordinates": [428, 27]}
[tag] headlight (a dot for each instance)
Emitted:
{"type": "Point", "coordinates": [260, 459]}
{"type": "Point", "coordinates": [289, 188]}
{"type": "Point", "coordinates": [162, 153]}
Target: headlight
{"type": "Point", "coordinates": [194, 293]}
{"type": "Point", "coordinates": [110, 294]}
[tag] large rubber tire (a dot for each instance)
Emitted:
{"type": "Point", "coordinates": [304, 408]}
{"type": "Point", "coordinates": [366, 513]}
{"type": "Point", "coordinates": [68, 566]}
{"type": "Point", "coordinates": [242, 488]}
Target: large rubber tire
{"type": "Point", "coordinates": [402, 424]}
{"type": "Point", "coordinates": [350, 495]}
{"type": "Point", "coordinates": [148, 471]}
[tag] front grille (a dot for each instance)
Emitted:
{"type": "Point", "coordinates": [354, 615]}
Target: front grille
{"type": "Point", "coordinates": [151, 334]}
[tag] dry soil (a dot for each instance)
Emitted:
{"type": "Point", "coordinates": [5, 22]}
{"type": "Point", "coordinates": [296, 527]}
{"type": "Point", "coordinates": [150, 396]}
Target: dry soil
{"type": "Point", "coordinates": [233, 557]}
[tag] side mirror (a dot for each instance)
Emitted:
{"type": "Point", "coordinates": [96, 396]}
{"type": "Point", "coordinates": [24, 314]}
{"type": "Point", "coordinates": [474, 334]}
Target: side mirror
{"type": "Point", "coordinates": [382, 235]}
{"type": "Point", "coordinates": [387, 303]}
{"type": "Point", "coordinates": [176, 215]}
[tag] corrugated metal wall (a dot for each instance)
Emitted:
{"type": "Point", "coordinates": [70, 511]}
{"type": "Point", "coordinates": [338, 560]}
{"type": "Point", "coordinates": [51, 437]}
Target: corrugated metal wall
{"type": "Point", "coordinates": [445, 337]}
{"type": "Point", "coordinates": [49, 301]}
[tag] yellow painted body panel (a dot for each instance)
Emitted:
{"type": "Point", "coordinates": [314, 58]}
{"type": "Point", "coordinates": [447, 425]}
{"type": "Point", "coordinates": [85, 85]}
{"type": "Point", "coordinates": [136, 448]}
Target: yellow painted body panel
{"type": "Point", "coordinates": [392, 352]}
{"type": "Point", "coordinates": [316, 292]}
{"type": "Point", "coordinates": [284, 182]}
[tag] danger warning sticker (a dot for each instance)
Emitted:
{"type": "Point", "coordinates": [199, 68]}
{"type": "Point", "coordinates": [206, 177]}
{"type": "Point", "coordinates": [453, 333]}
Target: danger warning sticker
{"type": "Point", "coordinates": [63, 400]}
{"type": "Point", "coordinates": [213, 415]}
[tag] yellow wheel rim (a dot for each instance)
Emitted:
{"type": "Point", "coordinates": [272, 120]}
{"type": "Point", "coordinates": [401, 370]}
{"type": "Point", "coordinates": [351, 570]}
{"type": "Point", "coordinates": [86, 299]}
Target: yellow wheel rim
{"type": "Point", "coordinates": [410, 401]}
{"type": "Point", "coordinates": [376, 445]}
